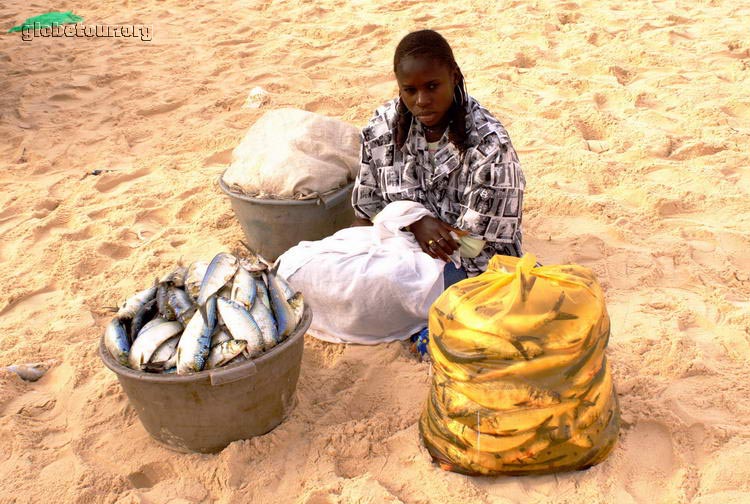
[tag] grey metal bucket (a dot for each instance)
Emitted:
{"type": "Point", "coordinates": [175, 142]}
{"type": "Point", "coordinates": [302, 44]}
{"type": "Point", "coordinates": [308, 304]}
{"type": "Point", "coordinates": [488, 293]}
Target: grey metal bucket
{"type": "Point", "coordinates": [272, 227]}
{"type": "Point", "coordinates": [205, 411]}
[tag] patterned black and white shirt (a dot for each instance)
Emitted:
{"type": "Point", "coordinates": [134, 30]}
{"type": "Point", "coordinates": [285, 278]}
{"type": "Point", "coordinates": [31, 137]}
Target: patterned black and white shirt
{"type": "Point", "coordinates": [481, 193]}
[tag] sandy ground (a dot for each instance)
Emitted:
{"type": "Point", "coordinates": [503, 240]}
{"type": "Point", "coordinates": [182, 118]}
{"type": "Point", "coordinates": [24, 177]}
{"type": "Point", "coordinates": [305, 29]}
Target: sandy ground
{"type": "Point", "coordinates": [632, 120]}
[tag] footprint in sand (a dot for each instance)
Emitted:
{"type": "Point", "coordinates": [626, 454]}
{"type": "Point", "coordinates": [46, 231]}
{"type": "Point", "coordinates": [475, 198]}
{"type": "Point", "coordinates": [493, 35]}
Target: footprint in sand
{"type": "Point", "coordinates": [114, 250]}
{"type": "Point", "coordinates": [591, 128]}
{"type": "Point", "coordinates": [310, 62]}
{"type": "Point", "coordinates": [47, 204]}
{"type": "Point", "coordinates": [678, 37]}
{"type": "Point", "coordinates": [648, 449]}
{"type": "Point", "coordinates": [45, 296]}
{"type": "Point", "coordinates": [523, 60]}
{"type": "Point", "coordinates": [151, 474]}
{"type": "Point", "coordinates": [87, 232]}
{"type": "Point", "coordinates": [321, 497]}
{"type": "Point", "coordinates": [669, 207]}
{"type": "Point", "coordinates": [587, 249]}
{"type": "Point", "coordinates": [623, 76]}
{"type": "Point", "coordinates": [62, 97]}
{"type": "Point", "coordinates": [327, 104]}
{"type": "Point", "coordinates": [715, 477]}
{"type": "Point", "coordinates": [191, 203]}
{"type": "Point", "coordinates": [108, 182]}
{"type": "Point", "coordinates": [691, 149]}
{"type": "Point", "coordinates": [233, 42]}
{"type": "Point", "coordinates": [219, 158]}
{"type": "Point", "coordinates": [161, 109]}
{"type": "Point", "coordinates": [58, 218]}
{"type": "Point", "coordinates": [189, 209]}
{"type": "Point", "coordinates": [566, 18]}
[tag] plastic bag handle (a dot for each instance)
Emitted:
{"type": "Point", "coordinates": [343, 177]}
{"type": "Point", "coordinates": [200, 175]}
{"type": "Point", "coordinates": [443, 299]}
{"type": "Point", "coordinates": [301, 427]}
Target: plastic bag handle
{"type": "Point", "coordinates": [232, 374]}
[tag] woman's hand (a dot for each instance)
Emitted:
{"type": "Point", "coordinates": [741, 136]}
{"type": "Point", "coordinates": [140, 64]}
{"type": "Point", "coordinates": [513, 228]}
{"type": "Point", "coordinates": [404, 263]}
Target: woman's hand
{"type": "Point", "coordinates": [434, 237]}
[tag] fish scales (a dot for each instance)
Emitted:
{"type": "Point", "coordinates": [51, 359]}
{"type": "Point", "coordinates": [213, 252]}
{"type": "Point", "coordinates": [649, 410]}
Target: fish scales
{"type": "Point", "coordinates": [282, 311]}
{"type": "Point", "coordinates": [144, 314]}
{"type": "Point", "coordinates": [244, 289]}
{"type": "Point", "coordinates": [241, 325]}
{"type": "Point", "coordinates": [163, 354]}
{"type": "Point", "coordinates": [220, 270]}
{"type": "Point", "coordinates": [264, 318]}
{"type": "Point", "coordinates": [180, 303]}
{"type": "Point", "coordinates": [225, 352]}
{"type": "Point", "coordinates": [149, 340]}
{"type": "Point", "coordinates": [133, 303]}
{"type": "Point", "coordinates": [195, 343]}
{"type": "Point", "coordinates": [117, 342]}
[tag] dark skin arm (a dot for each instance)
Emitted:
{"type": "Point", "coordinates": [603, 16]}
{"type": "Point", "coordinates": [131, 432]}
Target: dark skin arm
{"type": "Point", "coordinates": [429, 228]}
{"type": "Point", "coordinates": [425, 229]}
{"type": "Point", "coordinates": [359, 221]}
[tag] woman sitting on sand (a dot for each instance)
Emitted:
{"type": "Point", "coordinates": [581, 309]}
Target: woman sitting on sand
{"type": "Point", "coordinates": [433, 162]}
{"type": "Point", "coordinates": [435, 145]}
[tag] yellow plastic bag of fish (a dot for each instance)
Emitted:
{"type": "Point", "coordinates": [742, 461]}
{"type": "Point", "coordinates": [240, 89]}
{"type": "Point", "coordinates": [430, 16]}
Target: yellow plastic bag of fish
{"type": "Point", "coordinates": [521, 383]}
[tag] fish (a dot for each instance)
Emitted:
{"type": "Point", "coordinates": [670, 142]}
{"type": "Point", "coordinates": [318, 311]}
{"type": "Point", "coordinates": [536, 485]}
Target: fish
{"type": "Point", "coordinates": [29, 372]}
{"type": "Point", "coordinates": [240, 358]}
{"type": "Point", "coordinates": [149, 340]}
{"type": "Point", "coordinates": [116, 340]}
{"type": "Point", "coordinates": [254, 262]}
{"type": "Point", "coordinates": [281, 309]}
{"type": "Point", "coordinates": [298, 307]}
{"type": "Point", "coordinates": [225, 292]}
{"type": "Point", "coordinates": [285, 287]}
{"type": "Point", "coordinates": [241, 325]}
{"type": "Point", "coordinates": [523, 323]}
{"type": "Point", "coordinates": [176, 277]}
{"type": "Point", "coordinates": [195, 342]}
{"type": "Point", "coordinates": [219, 337]}
{"type": "Point", "coordinates": [141, 318]}
{"type": "Point", "coordinates": [262, 289]}
{"type": "Point", "coordinates": [133, 303]}
{"type": "Point", "coordinates": [162, 302]}
{"type": "Point", "coordinates": [150, 324]}
{"type": "Point", "coordinates": [220, 271]}
{"type": "Point", "coordinates": [244, 290]}
{"type": "Point", "coordinates": [194, 277]}
{"type": "Point", "coordinates": [268, 329]}
{"type": "Point", "coordinates": [180, 303]}
{"type": "Point", "coordinates": [163, 354]}
{"type": "Point", "coordinates": [172, 361]}
{"type": "Point", "coordinates": [224, 352]}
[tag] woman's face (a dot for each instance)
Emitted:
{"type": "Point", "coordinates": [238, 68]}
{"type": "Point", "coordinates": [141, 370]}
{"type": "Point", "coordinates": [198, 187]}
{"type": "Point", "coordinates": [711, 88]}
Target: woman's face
{"type": "Point", "coordinates": [426, 88]}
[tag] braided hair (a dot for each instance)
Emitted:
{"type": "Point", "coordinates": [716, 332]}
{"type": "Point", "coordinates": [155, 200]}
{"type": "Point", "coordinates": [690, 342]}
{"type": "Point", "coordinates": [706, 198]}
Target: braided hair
{"type": "Point", "coordinates": [430, 44]}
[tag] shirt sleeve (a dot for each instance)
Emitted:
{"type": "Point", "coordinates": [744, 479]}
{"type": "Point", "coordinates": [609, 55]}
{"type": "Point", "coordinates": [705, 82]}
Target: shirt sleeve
{"type": "Point", "coordinates": [367, 198]}
{"type": "Point", "coordinates": [492, 203]}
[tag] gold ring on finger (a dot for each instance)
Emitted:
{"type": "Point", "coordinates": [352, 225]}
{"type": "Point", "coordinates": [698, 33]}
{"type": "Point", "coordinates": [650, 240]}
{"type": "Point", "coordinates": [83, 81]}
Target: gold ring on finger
{"type": "Point", "coordinates": [431, 243]}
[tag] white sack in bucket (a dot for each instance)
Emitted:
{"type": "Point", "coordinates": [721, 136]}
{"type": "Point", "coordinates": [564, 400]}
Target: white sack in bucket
{"type": "Point", "coordinates": [290, 153]}
{"type": "Point", "coordinates": [368, 284]}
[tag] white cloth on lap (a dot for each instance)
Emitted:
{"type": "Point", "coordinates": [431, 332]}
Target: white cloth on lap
{"type": "Point", "coordinates": [368, 284]}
